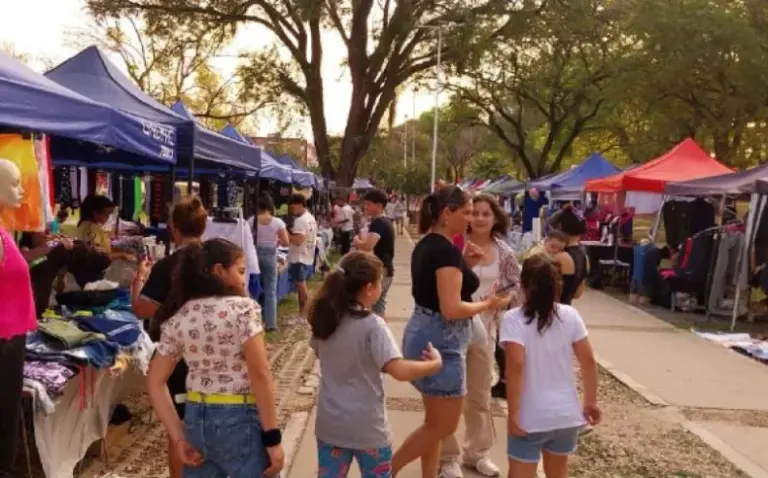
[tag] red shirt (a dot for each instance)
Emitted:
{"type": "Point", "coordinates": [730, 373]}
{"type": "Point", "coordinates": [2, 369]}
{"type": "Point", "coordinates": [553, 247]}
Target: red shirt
{"type": "Point", "coordinates": [458, 241]}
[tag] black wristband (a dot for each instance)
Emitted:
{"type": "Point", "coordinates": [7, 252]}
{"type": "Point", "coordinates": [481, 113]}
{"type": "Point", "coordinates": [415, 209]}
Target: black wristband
{"type": "Point", "coordinates": [271, 438]}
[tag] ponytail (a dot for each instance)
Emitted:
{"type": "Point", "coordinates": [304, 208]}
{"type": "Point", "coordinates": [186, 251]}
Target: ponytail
{"type": "Point", "coordinates": [337, 297]}
{"type": "Point", "coordinates": [542, 285]}
{"type": "Point", "coordinates": [192, 277]}
{"type": "Point", "coordinates": [450, 197]}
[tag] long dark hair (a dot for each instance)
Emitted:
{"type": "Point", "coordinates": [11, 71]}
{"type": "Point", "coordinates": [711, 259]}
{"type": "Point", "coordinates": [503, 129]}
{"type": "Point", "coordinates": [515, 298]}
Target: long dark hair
{"type": "Point", "coordinates": [501, 220]}
{"type": "Point", "coordinates": [541, 283]}
{"type": "Point", "coordinates": [450, 197]}
{"type": "Point", "coordinates": [92, 205]}
{"type": "Point", "coordinates": [193, 277]}
{"type": "Point", "coordinates": [338, 295]}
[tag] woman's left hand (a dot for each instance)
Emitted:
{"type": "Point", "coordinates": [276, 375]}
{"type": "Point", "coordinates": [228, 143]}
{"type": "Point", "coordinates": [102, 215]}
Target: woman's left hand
{"type": "Point", "coordinates": [473, 254]}
{"type": "Point", "coordinates": [514, 428]}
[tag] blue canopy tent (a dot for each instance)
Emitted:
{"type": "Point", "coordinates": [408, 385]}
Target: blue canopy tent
{"type": "Point", "coordinates": [270, 168]}
{"type": "Point", "coordinates": [570, 184]}
{"type": "Point", "coordinates": [34, 103]}
{"type": "Point", "coordinates": [217, 148]}
{"type": "Point", "coordinates": [300, 175]}
{"type": "Point", "coordinates": [91, 74]}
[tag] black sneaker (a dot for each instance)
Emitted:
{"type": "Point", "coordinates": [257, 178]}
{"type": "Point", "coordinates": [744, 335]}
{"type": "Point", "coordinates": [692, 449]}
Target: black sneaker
{"type": "Point", "coordinates": [499, 390]}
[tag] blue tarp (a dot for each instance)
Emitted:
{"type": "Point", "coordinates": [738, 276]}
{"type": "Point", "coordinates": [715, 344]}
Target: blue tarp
{"type": "Point", "coordinates": [35, 103]}
{"type": "Point", "coordinates": [270, 168]}
{"type": "Point", "coordinates": [594, 167]}
{"type": "Point", "coordinates": [92, 75]}
{"type": "Point", "coordinates": [217, 148]}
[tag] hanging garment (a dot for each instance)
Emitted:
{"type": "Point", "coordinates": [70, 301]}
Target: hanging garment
{"type": "Point", "coordinates": [727, 268]}
{"type": "Point", "coordinates": [232, 192]}
{"type": "Point", "coordinates": [93, 180]}
{"type": "Point", "coordinates": [126, 198]}
{"type": "Point", "coordinates": [29, 216]}
{"type": "Point", "coordinates": [147, 196]}
{"type": "Point", "coordinates": [74, 181]}
{"type": "Point", "coordinates": [158, 194]}
{"type": "Point", "coordinates": [63, 186]}
{"type": "Point", "coordinates": [701, 214]}
{"type": "Point", "coordinates": [138, 198]}
{"type": "Point", "coordinates": [206, 192]}
{"type": "Point", "coordinates": [674, 214]}
{"type": "Point", "coordinates": [42, 156]}
{"type": "Point", "coordinates": [222, 199]}
{"type": "Point", "coordinates": [82, 183]}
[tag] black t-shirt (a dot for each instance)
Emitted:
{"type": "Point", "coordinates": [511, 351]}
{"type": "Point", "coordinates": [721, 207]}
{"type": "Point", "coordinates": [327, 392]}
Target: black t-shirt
{"type": "Point", "coordinates": [385, 247]}
{"type": "Point", "coordinates": [158, 284]}
{"type": "Point", "coordinates": [434, 252]}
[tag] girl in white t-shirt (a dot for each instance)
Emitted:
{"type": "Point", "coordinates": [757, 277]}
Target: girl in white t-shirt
{"type": "Point", "coordinates": [540, 339]}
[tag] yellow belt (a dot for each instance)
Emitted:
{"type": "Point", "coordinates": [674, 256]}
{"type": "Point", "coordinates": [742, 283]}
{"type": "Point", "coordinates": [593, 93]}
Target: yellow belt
{"type": "Point", "coordinates": [220, 398]}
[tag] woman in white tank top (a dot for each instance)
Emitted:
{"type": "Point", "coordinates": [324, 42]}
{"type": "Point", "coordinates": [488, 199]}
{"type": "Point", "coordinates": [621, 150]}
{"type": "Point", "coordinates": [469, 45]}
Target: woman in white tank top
{"type": "Point", "coordinates": [270, 234]}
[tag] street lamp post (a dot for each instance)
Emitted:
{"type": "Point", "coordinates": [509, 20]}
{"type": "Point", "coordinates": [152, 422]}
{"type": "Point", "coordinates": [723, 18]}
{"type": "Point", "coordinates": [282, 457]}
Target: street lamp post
{"type": "Point", "coordinates": [438, 68]}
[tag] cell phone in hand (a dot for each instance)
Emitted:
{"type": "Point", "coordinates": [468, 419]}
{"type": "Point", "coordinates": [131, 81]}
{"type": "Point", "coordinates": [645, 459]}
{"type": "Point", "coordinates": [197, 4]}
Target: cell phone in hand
{"type": "Point", "coordinates": [506, 288]}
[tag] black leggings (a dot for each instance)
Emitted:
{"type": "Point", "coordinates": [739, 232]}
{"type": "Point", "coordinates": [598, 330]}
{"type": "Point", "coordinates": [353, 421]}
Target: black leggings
{"type": "Point", "coordinates": [12, 353]}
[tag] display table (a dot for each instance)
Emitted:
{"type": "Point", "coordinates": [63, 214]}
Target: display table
{"type": "Point", "coordinates": [64, 436]}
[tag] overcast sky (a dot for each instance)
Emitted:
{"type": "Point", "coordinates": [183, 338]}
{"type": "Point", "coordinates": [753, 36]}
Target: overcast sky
{"type": "Point", "coordinates": [40, 28]}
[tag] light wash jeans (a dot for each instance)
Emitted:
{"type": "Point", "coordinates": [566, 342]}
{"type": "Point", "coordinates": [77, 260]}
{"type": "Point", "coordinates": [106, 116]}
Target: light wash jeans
{"type": "Point", "coordinates": [268, 268]}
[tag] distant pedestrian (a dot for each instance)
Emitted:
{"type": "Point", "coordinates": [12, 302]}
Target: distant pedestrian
{"type": "Point", "coordinates": [379, 239]}
{"type": "Point", "coordinates": [301, 251]}
{"type": "Point", "coordinates": [400, 211]}
{"type": "Point", "coordinates": [540, 339]}
{"type": "Point", "coordinates": [344, 220]}
{"type": "Point", "coordinates": [354, 346]}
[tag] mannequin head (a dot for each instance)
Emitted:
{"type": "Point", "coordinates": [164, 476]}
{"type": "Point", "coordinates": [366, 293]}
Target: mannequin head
{"type": "Point", "coordinates": [11, 191]}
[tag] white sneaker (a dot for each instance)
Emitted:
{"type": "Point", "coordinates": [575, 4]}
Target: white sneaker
{"type": "Point", "coordinates": [451, 469]}
{"type": "Point", "coordinates": [485, 467]}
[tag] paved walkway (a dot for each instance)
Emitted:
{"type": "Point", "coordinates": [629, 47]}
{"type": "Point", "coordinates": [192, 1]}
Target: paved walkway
{"type": "Point", "coordinates": [668, 366]}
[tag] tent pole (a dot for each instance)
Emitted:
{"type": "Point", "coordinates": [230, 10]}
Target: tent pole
{"type": "Point", "coordinates": [657, 222]}
{"type": "Point", "coordinates": [190, 180]}
{"type": "Point", "coordinates": [257, 193]}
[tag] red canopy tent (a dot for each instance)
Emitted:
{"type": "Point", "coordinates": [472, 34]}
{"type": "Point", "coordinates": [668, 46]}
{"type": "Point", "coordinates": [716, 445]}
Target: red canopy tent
{"type": "Point", "coordinates": [684, 162]}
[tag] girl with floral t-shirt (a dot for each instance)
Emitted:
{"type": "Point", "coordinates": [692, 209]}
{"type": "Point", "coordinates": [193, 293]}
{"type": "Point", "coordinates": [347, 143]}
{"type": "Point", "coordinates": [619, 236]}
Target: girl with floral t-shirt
{"type": "Point", "coordinates": [230, 426]}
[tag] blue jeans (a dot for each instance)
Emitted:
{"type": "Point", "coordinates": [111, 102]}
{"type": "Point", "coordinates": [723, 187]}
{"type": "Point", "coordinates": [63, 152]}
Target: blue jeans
{"type": "Point", "coordinates": [451, 338]}
{"type": "Point", "coordinates": [268, 268]}
{"type": "Point", "coordinates": [380, 307]}
{"type": "Point", "coordinates": [229, 438]}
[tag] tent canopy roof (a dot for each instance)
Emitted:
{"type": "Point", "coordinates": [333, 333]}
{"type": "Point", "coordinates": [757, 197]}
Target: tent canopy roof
{"type": "Point", "coordinates": [506, 187]}
{"type": "Point", "coordinates": [35, 103]}
{"type": "Point", "coordinates": [594, 167]}
{"type": "Point", "coordinates": [91, 74]}
{"type": "Point", "coordinates": [299, 173]}
{"type": "Point", "coordinates": [683, 162]}
{"type": "Point", "coordinates": [217, 148]}
{"type": "Point", "coordinates": [270, 168]}
{"type": "Point", "coordinates": [733, 183]}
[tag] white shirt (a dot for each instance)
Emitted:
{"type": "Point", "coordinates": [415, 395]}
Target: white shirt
{"type": "Point", "coordinates": [305, 252]}
{"type": "Point", "coordinates": [239, 233]}
{"type": "Point", "coordinates": [267, 233]}
{"type": "Point", "coordinates": [346, 212]}
{"type": "Point", "coordinates": [389, 210]}
{"type": "Point", "coordinates": [550, 400]}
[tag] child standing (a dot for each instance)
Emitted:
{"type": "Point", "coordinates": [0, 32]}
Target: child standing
{"type": "Point", "coordinates": [355, 346]}
{"type": "Point", "coordinates": [230, 424]}
{"type": "Point", "coordinates": [540, 339]}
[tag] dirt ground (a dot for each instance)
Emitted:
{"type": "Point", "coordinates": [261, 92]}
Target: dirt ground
{"type": "Point", "coordinates": [637, 439]}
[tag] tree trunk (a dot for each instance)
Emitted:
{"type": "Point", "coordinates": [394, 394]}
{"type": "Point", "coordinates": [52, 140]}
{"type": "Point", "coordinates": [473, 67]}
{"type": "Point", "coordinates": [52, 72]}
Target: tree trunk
{"type": "Point", "coordinates": [723, 150]}
{"type": "Point", "coordinates": [316, 108]}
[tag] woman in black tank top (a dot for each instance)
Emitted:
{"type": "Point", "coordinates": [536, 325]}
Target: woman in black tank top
{"type": "Point", "coordinates": [573, 260]}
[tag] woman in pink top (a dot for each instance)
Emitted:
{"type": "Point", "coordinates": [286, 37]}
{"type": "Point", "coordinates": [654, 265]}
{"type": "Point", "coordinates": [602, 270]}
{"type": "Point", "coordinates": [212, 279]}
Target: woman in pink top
{"type": "Point", "coordinates": [17, 317]}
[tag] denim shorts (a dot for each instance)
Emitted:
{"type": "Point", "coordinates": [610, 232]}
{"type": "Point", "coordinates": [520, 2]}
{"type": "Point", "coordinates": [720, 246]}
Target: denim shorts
{"type": "Point", "coordinates": [527, 448]}
{"type": "Point", "coordinates": [451, 338]}
{"type": "Point", "coordinates": [297, 272]}
{"type": "Point", "coordinates": [333, 461]}
{"type": "Point", "coordinates": [229, 438]}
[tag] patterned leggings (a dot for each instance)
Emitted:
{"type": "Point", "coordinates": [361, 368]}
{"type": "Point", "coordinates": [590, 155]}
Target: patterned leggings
{"type": "Point", "coordinates": [334, 462]}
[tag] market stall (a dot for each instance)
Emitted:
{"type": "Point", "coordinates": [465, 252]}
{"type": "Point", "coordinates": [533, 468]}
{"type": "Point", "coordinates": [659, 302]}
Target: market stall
{"type": "Point", "coordinates": [569, 185]}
